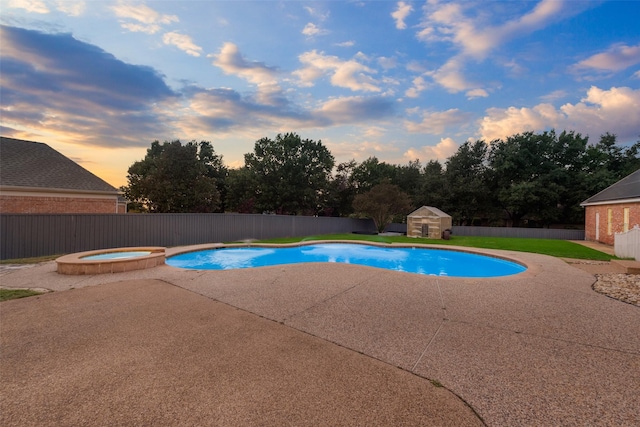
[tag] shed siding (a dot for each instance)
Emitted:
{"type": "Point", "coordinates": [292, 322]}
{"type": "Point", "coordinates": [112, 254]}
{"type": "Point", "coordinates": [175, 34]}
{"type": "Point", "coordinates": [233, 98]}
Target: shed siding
{"type": "Point", "coordinates": [434, 218]}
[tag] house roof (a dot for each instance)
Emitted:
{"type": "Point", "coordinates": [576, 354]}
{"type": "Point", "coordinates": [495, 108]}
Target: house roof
{"type": "Point", "coordinates": [625, 189]}
{"type": "Point", "coordinates": [426, 210]}
{"type": "Point", "coordinates": [36, 165]}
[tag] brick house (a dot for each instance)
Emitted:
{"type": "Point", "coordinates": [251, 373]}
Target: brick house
{"type": "Point", "coordinates": [35, 178]}
{"type": "Point", "coordinates": [615, 209]}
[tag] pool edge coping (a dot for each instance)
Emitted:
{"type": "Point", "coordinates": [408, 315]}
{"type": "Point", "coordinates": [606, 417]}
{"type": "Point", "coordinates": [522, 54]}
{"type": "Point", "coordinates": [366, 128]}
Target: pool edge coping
{"type": "Point", "coordinates": [511, 256]}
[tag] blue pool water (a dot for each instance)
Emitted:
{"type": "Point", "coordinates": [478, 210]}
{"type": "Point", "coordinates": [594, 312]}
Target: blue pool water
{"type": "Point", "coordinates": [117, 255]}
{"type": "Point", "coordinates": [411, 260]}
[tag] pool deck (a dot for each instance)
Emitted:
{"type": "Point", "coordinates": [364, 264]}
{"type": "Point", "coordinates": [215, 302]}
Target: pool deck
{"type": "Point", "coordinates": [318, 344]}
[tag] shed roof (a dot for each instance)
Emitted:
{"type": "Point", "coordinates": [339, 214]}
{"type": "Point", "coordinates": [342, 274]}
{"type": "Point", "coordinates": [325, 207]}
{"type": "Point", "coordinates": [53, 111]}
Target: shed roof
{"type": "Point", "coordinates": [36, 165]}
{"type": "Point", "coordinates": [627, 188]}
{"type": "Point", "coordinates": [429, 210]}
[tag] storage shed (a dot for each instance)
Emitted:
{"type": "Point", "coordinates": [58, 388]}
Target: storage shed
{"type": "Point", "coordinates": [427, 221]}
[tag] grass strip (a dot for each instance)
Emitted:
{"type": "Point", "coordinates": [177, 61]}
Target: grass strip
{"type": "Point", "coordinates": [8, 294]}
{"type": "Point", "coordinates": [34, 260]}
{"type": "Point", "coordinates": [553, 247]}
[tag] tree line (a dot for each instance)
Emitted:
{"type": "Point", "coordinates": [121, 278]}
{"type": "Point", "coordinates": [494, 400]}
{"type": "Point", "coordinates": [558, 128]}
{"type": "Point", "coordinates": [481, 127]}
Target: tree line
{"type": "Point", "coordinates": [534, 179]}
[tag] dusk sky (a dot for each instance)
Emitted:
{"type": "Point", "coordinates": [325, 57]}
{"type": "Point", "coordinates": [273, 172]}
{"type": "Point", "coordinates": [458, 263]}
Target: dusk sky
{"type": "Point", "coordinates": [100, 80]}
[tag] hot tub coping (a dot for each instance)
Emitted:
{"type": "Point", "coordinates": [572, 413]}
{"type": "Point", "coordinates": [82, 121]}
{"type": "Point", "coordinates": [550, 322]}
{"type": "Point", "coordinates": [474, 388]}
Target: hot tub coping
{"type": "Point", "coordinates": [74, 264]}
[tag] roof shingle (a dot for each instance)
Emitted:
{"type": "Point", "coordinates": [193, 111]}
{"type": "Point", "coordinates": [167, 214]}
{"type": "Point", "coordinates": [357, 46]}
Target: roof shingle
{"type": "Point", "coordinates": [627, 188]}
{"type": "Point", "coordinates": [36, 165]}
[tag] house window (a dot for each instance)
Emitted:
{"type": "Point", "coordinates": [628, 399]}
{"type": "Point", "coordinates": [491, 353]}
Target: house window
{"type": "Point", "coordinates": [609, 220]}
{"type": "Point", "coordinates": [625, 224]}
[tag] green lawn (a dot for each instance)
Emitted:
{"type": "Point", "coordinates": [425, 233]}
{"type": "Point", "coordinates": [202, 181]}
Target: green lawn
{"type": "Point", "coordinates": [34, 260]}
{"type": "Point", "coordinates": [7, 294]}
{"type": "Point", "coordinates": [557, 248]}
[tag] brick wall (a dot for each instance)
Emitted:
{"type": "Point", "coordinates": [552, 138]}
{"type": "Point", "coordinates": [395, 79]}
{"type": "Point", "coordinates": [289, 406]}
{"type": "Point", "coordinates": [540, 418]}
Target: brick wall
{"type": "Point", "coordinates": [617, 220]}
{"type": "Point", "coordinates": [46, 204]}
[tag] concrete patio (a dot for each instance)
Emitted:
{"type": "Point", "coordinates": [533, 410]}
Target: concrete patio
{"type": "Point", "coordinates": [318, 344]}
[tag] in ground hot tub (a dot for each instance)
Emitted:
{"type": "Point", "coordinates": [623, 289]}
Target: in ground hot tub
{"type": "Point", "coordinates": [115, 260]}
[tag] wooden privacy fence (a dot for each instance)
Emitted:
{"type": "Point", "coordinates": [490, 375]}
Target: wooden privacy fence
{"type": "Point", "coordinates": [627, 244]}
{"type": "Point", "coordinates": [33, 235]}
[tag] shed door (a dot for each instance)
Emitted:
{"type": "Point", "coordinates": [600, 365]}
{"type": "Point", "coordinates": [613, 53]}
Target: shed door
{"type": "Point", "coordinates": [425, 230]}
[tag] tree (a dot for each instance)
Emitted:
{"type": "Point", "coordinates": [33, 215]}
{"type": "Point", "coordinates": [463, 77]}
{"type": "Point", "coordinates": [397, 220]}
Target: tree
{"type": "Point", "coordinates": [343, 189]}
{"type": "Point", "coordinates": [370, 173]}
{"type": "Point", "coordinates": [432, 190]}
{"type": "Point", "coordinates": [545, 176]}
{"type": "Point", "coordinates": [466, 193]}
{"type": "Point", "coordinates": [291, 175]}
{"type": "Point", "coordinates": [606, 163]}
{"type": "Point", "coordinates": [175, 178]}
{"type": "Point", "coordinates": [382, 203]}
{"type": "Point", "coordinates": [528, 177]}
{"type": "Point", "coordinates": [215, 169]}
{"type": "Point", "coordinates": [409, 178]}
{"type": "Point", "coordinates": [240, 191]}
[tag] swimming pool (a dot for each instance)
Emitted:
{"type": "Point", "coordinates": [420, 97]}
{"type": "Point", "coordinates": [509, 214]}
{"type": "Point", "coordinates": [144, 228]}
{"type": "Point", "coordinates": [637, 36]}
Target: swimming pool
{"type": "Point", "coordinates": [437, 262]}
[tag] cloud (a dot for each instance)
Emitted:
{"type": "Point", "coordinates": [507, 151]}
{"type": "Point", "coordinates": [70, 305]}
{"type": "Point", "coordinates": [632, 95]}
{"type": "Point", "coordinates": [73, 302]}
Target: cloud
{"type": "Point", "coordinates": [477, 93]}
{"type": "Point", "coordinates": [56, 84]}
{"type": "Point", "coordinates": [418, 86]}
{"type": "Point", "coordinates": [451, 76]}
{"type": "Point", "coordinates": [311, 30]}
{"type": "Point", "coordinates": [356, 149]}
{"type": "Point", "coordinates": [437, 122]}
{"type": "Point", "coordinates": [71, 8]}
{"type": "Point", "coordinates": [226, 110]}
{"type": "Point", "coordinates": [348, 43]}
{"type": "Point", "coordinates": [349, 74]}
{"type": "Point", "coordinates": [32, 6]}
{"type": "Point", "coordinates": [354, 109]}
{"type": "Point", "coordinates": [554, 96]}
{"type": "Point", "coordinates": [316, 13]}
{"type": "Point", "coordinates": [475, 38]}
{"type": "Point", "coordinates": [616, 110]}
{"type": "Point", "coordinates": [141, 18]}
{"type": "Point", "coordinates": [231, 61]}
{"type": "Point", "coordinates": [182, 42]}
{"type": "Point", "coordinates": [617, 58]}
{"type": "Point", "coordinates": [400, 14]}
{"type": "Point", "coordinates": [441, 151]}
{"type": "Point", "coordinates": [388, 63]}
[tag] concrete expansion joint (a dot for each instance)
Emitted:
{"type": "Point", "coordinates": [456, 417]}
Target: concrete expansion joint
{"type": "Point", "coordinates": [320, 302]}
{"type": "Point", "coordinates": [413, 368]}
{"type": "Point", "coordinates": [547, 337]}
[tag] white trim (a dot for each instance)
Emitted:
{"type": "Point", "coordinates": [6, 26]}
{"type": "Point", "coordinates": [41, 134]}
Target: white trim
{"type": "Point", "coordinates": [612, 202]}
{"type": "Point", "coordinates": [12, 188]}
{"type": "Point", "coordinates": [60, 194]}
